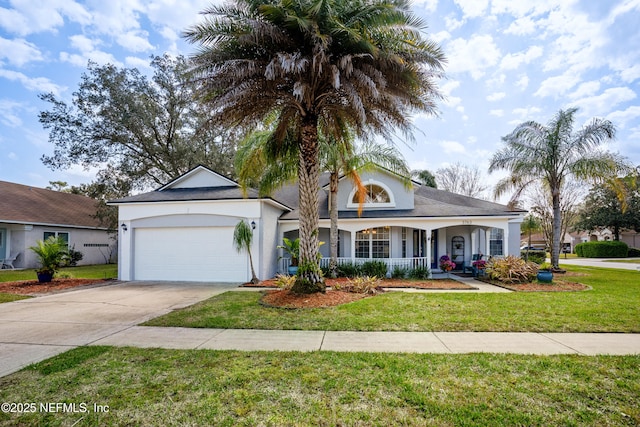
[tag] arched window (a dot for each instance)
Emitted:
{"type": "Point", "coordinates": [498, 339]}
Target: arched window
{"type": "Point", "coordinates": [378, 196]}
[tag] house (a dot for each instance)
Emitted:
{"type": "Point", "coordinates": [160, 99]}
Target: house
{"type": "Point", "coordinates": [184, 230]}
{"type": "Point", "coordinates": [29, 214]}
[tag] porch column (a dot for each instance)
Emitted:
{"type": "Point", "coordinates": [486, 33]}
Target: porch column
{"type": "Point", "coordinates": [428, 251]}
{"type": "Point", "coordinates": [487, 234]}
{"type": "Point", "coordinates": [474, 242]}
{"type": "Point", "coordinates": [505, 241]}
{"type": "Point", "coordinates": [353, 246]}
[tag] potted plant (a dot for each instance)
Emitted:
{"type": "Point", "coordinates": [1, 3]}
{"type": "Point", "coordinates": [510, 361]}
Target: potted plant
{"type": "Point", "coordinates": [479, 266]}
{"type": "Point", "coordinates": [291, 247]}
{"type": "Point", "coordinates": [446, 264]}
{"type": "Point", "coordinates": [545, 275]}
{"type": "Point", "coordinates": [50, 253]}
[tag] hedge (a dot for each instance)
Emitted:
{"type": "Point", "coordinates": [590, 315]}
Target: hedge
{"type": "Point", "coordinates": [607, 249]}
{"type": "Point", "coordinates": [633, 252]}
{"type": "Point", "coordinates": [538, 257]}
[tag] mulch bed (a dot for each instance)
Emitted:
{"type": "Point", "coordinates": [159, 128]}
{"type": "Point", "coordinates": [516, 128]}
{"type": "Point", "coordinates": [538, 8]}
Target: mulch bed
{"type": "Point", "coordinates": [331, 298]}
{"type": "Point", "coordinates": [386, 283]}
{"type": "Point", "coordinates": [33, 287]}
{"type": "Point", "coordinates": [555, 286]}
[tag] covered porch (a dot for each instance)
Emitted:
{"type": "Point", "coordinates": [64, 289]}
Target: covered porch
{"type": "Point", "coordinates": [410, 243]}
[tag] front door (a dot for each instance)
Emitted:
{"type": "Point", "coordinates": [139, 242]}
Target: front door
{"type": "Point", "coordinates": [3, 243]}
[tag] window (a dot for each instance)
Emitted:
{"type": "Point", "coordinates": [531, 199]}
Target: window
{"type": "Point", "coordinates": [373, 243]}
{"type": "Point", "coordinates": [62, 235]}
{"type": "Point", "coordinates": [378, 196]}
{"type": "Point", "coordinates": [495, 241]}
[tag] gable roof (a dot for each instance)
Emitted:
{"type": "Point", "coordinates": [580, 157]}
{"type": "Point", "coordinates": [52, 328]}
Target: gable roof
{"type": "Point", "coordinates": [428, 202]}
{"type": "Point", "coordinates": [23, 204]}
{"type": "Point", "coordinates": [199, 177]}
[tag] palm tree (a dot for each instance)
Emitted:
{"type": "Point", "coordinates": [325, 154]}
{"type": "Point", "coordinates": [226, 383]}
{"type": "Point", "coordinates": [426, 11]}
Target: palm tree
{"type": "Point", "coordinates": [242, 240]}
{"type": "Point", "coordinates": [320, 65]}
{"type": "Point", "coordinates": [551, 154]}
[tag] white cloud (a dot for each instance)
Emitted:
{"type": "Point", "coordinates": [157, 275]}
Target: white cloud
{"type": "Point", "coordinates": [496, 96]}
{"type": "Point", "coordinates": [36, 84]}
{"type": "Point", "coordinates": [451, 147]}
{"type": "Point", "coordinates": [8, 113]}
{"type": "Point", "coordinates": [523, 82]}
{"type": "Point", "coordinates": [630, 74]}
{"type": "Point", "coordinates": [585, 89]}
{"type": "Point", "coordinates": [139, 63]}
{"type": "Point", "coordinates": [429, 5]}
{"type": "Point", "coordinates": [135, 41]}
{"type": "Point", "coordinates": [558, 85]}
{"type": "Point", "coordinates": [600, 104]}
{"type": "Point", "coordinates": [497, 113]}
{"type": "Point", "coordinates": [473, 55]}
{"type": "Point", "coordinates": [88, 51]}
{"type": "Point", "coordinates": [472, 8]}
{"type": "Point", "coordinates": [12, 156]}
{"type": "Point", "coordinates": [621, 118]}
{"type": "Point", "coordinates": [526, 113]}
{"type": "Point", "coordinates": [522, 27]}
{"type": "Point", "coordinates": [513, 61]}
{"type": "Point", "coordinates": [452, 23]}
{"type": "Point", "coordinates": [30, 17]}
{"type": "Point", "coordinates": [19, 51]}
{"type": "Point", "coordinates": [520, 9]}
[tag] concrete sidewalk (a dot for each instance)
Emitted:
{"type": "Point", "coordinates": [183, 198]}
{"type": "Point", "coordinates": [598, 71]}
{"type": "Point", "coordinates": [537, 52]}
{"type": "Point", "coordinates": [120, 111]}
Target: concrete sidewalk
{"type": "Point", "coordinates": [600, 262]}
{"type": "Point", "coordinates": [393, 342]}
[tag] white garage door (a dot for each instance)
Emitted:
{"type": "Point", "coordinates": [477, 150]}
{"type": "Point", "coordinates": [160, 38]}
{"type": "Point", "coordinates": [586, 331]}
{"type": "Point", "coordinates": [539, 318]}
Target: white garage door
{"type": "Point", "coordinates": [203, 254]}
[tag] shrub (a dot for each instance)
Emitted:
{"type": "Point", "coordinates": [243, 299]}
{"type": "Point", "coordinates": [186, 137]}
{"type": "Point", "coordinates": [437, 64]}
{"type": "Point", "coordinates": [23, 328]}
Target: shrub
{"type": "Point", "coordinates": [374, 268]}
{"type": "Point", "coordinates": [285, 282]}
{"type": "Point", "coordinates": [420, 273]}
{"type": "Point", "coordinates": [71, 258]}
{"type": "Point", "coordinates": [511, 269]}
{"type": "Point", "coordinates": [633, 252]}
{"type": "Point", "coordinates": [361, 285]}
{"type": "Point", "coordinates": [607, 249]}
{"type": "Point", "coordinates": [534, 256]}
{"type": "Point", "coordinates": [349, 270]}
{"type": "Point", "coordinates": [400, 272]}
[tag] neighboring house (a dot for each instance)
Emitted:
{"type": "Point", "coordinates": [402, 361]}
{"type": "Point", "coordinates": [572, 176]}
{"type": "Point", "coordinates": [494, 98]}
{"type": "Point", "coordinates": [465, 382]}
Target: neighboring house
{"type": "Point", "coordinates": [29, 214]}
{"type": "Point", "coordinates": [184, 230]}
{"type": "Point", "coordinates": [630, 237]}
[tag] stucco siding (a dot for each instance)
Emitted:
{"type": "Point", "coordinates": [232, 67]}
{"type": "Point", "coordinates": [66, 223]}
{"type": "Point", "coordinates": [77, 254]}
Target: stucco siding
{"type": "Point", "coordinates": [403, 197]}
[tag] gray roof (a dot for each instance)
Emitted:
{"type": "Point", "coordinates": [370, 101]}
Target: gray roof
{"type": "Point", "coordinates": [187, 194]}
{"type": "Point", "coordinates": [25, 204]}
{"type": "Point", "coordinates": [428, 202]}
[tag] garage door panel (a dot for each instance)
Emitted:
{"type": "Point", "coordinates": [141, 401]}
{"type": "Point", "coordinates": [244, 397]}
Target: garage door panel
{"type": "Point", "coordinates": [188, 253]}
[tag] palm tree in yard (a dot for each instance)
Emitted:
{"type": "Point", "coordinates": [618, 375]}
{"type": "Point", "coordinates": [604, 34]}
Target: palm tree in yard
{"type": "Point", "coordinates": [242, 240]}
{"type": "Point", "coordinates": [321, 66]}
{"type": "Point", "coordinates": [553, 153]}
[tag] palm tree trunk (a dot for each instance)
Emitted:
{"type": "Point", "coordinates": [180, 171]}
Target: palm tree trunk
{"type": "Point", "coordinates": [254, 278]}
{"type": "Point", "coordinates": [333, 215]}
{"type": "Point", "coordinates": [309, 278]}
{"type": "Point", "coordinates": [557, 227]}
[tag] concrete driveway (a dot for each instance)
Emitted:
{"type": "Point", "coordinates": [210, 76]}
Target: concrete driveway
{"type": "Point", "coordinates": [35, 329]}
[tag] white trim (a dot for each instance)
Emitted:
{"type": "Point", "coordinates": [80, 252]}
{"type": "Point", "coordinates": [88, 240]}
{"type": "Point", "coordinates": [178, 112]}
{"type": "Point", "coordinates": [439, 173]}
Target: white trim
{"type": "Point", "coordinates": [371, 181]}
{"type": "Point", "coordinates": [44, 224]}
{"type": "Point", "coordinates": [156, 202]}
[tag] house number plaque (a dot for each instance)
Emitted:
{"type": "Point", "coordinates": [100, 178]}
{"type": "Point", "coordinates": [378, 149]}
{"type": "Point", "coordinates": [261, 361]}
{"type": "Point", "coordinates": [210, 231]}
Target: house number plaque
{"type": "Point", "coordinates": [467, 222]}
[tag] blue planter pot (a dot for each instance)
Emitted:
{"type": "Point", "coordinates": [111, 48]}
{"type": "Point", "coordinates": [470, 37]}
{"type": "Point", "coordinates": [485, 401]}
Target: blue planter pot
{"type": "Point", "coordinates": [292, 270]}
{"type": "Point", "coordinates": [545, 276]}
{"type": "Point", "coordinates": [44, 277]}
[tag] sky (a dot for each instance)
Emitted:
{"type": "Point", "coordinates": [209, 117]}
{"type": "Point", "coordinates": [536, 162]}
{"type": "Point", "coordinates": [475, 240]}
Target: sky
{"type": "Point", "coordinates": [508, 61]}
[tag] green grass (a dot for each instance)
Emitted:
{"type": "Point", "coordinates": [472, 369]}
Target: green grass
{"type": "Point", "coordinates": [99, 271]}
{"type": "Point", "coordinates": [225, 388]}
{"type": "Point", "coordinates": [11, 297]}
{"type": "Point", "coordinates": [613, 305]}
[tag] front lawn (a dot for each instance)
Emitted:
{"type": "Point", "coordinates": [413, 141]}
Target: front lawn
{"type": "Point", "coordinates": [98, 271]}
{"type": "Point", "coordinates": [612, 306]}
{"type": "Point", "coordinates": [228, 388]}
{"type": "Point", "coordinates": [10, 297]}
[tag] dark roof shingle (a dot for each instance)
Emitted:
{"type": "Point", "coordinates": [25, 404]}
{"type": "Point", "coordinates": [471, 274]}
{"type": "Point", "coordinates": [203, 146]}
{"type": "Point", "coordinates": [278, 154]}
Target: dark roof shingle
{"type": "Point", "coordinates": [30, 205]}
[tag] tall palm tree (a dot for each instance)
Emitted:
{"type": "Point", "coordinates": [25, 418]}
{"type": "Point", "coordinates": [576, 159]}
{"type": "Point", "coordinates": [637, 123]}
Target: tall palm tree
{"type": "Point", "coordinates": [551, 154]}
{"type": "Point", "coordinates": [319, 64]}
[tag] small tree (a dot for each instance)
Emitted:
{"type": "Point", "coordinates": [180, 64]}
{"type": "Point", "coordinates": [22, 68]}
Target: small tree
{"type": "Point", "coordinates": [242, 240]}
{"type": "Point", "coordinates": [50, 253]}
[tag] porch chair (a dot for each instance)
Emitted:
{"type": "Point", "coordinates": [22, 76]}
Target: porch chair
{"type": "Point", "coordinates": [8, 262]}
{"type": "Point", "coordinates": [470, 268]}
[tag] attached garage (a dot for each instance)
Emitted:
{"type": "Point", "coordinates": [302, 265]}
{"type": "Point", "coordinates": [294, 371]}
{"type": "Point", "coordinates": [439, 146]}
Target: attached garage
{"type": "Point", "coordinates": [204, 254]}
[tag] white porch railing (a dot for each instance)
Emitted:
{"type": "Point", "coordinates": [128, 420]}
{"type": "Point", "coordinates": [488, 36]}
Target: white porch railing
{"type": "Point", "coordinates": [391, 262]}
